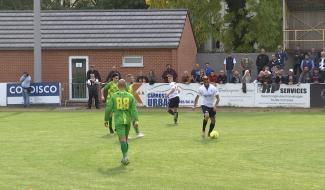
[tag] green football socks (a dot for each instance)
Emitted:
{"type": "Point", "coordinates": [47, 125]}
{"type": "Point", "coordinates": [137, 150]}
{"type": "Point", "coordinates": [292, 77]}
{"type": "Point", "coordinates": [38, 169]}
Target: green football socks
{"type": "Point", "coordinates": [124, 148]}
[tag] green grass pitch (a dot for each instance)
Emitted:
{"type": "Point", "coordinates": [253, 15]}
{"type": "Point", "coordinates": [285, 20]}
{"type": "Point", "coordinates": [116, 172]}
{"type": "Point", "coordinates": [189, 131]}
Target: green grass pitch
{"type": "Point", "coordinates": [70, 150]}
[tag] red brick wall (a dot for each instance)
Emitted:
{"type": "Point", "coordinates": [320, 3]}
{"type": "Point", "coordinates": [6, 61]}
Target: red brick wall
{"type": "Point", "coordinates": [186, 52]}
{"type": "Point", "coordinates": [14, 63]}
{"type": "Point", "coordinates": [56, 62]}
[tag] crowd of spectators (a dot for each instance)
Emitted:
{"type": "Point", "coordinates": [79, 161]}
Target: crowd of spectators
{"type": "Point", "coordinates": [308, 67]}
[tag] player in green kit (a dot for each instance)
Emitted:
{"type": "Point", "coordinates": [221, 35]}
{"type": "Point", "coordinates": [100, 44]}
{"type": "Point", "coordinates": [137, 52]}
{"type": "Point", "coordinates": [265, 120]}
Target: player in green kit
{"type": "Point", "coordinates": [123, 105]}
{"type": "Point", "coordinates": [129, 89]}
{"type": "Point", "coordinates": [110, 88]}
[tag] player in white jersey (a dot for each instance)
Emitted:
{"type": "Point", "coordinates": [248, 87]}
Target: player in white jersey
{"type": "Point", "coordinates": [173, 98]}
{"type": "Point", "coordinates": [209, 101]}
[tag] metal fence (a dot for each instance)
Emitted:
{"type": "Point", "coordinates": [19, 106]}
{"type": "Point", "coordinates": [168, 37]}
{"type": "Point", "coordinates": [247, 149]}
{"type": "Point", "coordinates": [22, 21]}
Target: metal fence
{"type": "Point", "coordinates": [74, 93]}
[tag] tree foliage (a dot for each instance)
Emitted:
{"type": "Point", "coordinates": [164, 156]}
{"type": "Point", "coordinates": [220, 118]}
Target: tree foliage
{"type": "Point", "coordinates": [266, 27]}
{"type": "Point", "coordinates": [252, 23]}
{"type": "Point", "coordinates": [236, 27]}
{"type": "Point", "coordinates": [16, 4]}
{"type": "Point", "coordinates": [205, 16]}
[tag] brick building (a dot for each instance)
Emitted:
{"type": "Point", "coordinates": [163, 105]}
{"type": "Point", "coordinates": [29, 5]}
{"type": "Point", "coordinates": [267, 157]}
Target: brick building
{"type": "Point", "coordinates": [132, 40]}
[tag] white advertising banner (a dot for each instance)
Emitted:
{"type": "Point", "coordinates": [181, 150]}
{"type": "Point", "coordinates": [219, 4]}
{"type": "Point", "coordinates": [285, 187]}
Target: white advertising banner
{"type": "Point", "coordinates": [230, 95]}
{"type": "Point", "coordinates": [233, 95]}
{"type": "Point", "coordinates": [35, 100]}
{"type": "Point", "coordinates": [155, 95]}
{"type": "Point", "coordinates": [283, 96]}
{"type": "Point", "coordinates": [3, 94]}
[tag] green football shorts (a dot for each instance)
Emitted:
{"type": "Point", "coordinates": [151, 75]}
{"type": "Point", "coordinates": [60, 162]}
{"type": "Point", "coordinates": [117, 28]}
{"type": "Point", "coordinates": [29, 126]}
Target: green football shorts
{"type": "Point", "coordinates": [122, 130]}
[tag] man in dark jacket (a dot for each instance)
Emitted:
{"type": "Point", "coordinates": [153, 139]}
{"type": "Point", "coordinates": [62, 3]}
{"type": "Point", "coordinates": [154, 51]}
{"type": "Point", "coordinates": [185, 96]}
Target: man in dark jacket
{"type": "Point", "coordinates": [262, 60]}
{"type": "Point", "coordinates": [291, 78]}
{"type": "Point", "coordinates": [229, 64]}
{"type": "Point", "coordinates": [298, 57]}
{"type": "Point", "coordinates": [111, 73]}
{"type": "Point", "coordinates": [222, 78]}
{"type": "Point", "coordinates": [92, 84]}
{"type": "Point", "coordinates": [169, 71]}
{"type": "Point", "coordinates": [282, 56]}
{"type": "Point", "coordinates": [92, 70]}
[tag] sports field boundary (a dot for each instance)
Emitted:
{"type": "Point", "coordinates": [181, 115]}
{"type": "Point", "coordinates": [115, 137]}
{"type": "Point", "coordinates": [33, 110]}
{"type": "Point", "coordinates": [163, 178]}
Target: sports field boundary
{"type": "Point", "coordinates": [145, 109]}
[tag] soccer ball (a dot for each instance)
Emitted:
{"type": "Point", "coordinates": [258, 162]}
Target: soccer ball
{"type": "Point", "coordinates": [214, 134]}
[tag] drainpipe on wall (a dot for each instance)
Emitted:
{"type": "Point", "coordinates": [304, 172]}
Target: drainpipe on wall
{"type": "Point", "coordinates": [37, 42]}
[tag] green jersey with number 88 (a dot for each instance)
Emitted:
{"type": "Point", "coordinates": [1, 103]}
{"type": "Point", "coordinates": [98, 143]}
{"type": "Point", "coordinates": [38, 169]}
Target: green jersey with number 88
{"type": "Point", "coordinates": [123, 105]}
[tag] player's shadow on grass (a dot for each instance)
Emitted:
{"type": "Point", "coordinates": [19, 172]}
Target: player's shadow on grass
{"type": "Point", "coordinates": [113, 171]}
{"type": "Point", "coordinates": [206, 140]}
{"type": "Point", "coordinates": [106, 136]}
{"type": "Point", "coordinates": [171, 125]}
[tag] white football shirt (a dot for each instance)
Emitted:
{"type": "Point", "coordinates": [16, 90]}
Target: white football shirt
{"type": "Point", "coordinates": [173, 86]}
{"type": "Point", "coordinates": [207, 95]}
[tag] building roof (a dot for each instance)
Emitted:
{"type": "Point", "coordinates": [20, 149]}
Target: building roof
{"type": "Point", "coordinates": [305, 5]}
{"type": "Point", "coordinates": [109, 29]}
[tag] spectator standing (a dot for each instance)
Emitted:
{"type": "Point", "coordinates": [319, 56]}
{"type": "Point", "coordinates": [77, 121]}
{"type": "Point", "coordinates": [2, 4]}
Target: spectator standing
{"type": "Point", "coordinates": [307, 62]}
{"type": "Point", "coordinates": [92, 84]}
{"type": "Point", "coordinates": [298, 57]}
{"type": "Point", "coordinates": [142, 78]}
{"type": "Point", "coordinates": [213, 77]}
{"type": "Point", "coordinates": [25, 80]}
{"type": "Point", "coordinates": [262, 60]}
{"type": "Point", "coordinates": [92, 70]}
{"type": "Point", "coordinates": [222, 78]}
{"type": "Point", "coordinates": [196, 73]}
{"type": "Point", "coordinates": [151, 77]}
{"type": "Point", "coordinates": [313, 55]}
{"type": "Point", "coordinates": [207, 69]}
{"type": "Point", "coordinates": [305, 76]}
{"type": "Point", "coordinates": [236, 77]}
{"type": "Point", "coordinates": [229, 64]}
{"type": "Point", "coordinates": [282, 56]}
{"type": "Point", "coordinates": [186, 78]}
{"type": "Point", "coordinates": [202, 75]}
{"type": "Point", "coordinates": [322, 66]}
{"type": "Point", "coordinates": [246, 79]}
{"type": "Point", "coordinates": [111, 73]}
{"type": "Point", "coordinates": [246, 63]}
{"type": "Point", "coordinates": [169, 71]}
{"type": "Point", "coordinates": [274, 62]}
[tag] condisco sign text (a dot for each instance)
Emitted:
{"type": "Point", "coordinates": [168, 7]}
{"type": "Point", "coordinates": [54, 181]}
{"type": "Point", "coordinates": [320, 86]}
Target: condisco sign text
{"type": "Point", "coordinates": [37, 89]}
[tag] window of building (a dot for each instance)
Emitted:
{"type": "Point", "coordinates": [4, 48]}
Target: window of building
{"type": "Point", "coordinates": [132, 61]}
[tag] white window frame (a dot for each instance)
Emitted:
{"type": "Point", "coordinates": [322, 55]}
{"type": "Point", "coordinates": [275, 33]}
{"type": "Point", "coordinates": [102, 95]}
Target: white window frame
{"type": "Point", "coordinates": [70, 76]}
{"type": "Point", "coordinates": [132, 64]}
